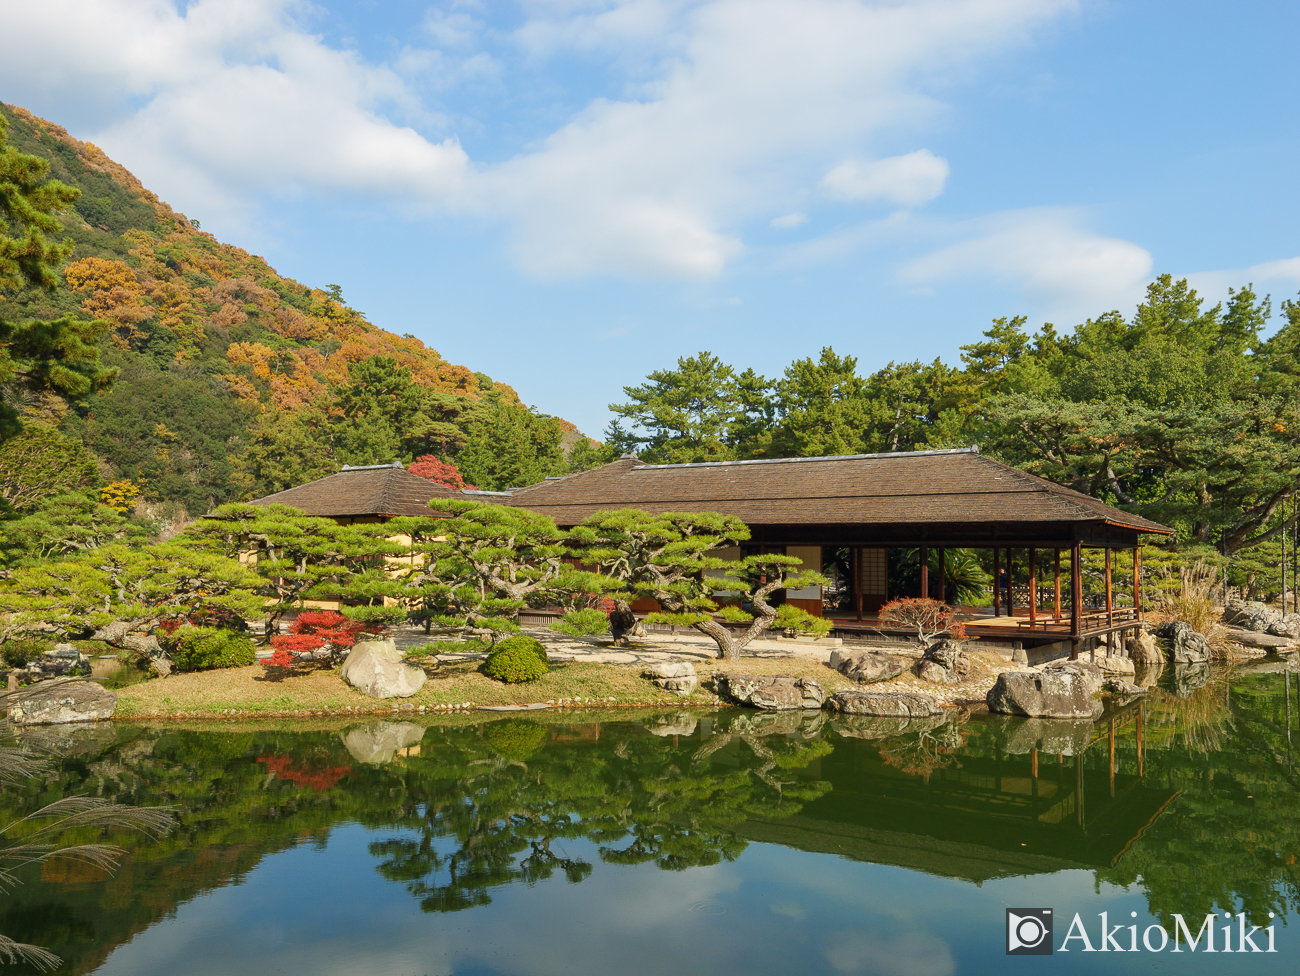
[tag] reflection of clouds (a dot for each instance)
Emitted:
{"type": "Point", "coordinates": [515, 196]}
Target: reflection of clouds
{"type": "Point", "coordinates": [790, 911]}
{"type": "Point", "coordinates": [912, 954]}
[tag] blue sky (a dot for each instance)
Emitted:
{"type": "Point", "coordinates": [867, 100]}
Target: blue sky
{"type": "Point", "coordinates": [566, 194]}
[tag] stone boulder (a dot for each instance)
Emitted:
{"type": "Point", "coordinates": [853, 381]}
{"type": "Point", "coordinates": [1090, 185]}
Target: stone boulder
{"type": "Point", "coordinates": [1185, 645]}
{"type": "Point", "coordinates": [867, 667]}
{"type": "Point", "coordinates": [378, 742]}
{"type": "Point", "coordinates": [1256, 641]}
{"type": "Point", "coordinates": [1049, 693]}
{"type": "Point", "coordinates": [945, 662]}
{"type": "Point", "coordinates": [1250, 615]}
{"type": "Point", "coordinates": [1116, 665]}
{"type": "Point", "coordinates": [1143, 649]}
{"type": "Point", "coordinates": [679, 677]}
{"type": "Point", "coordinates": [886, 704]}
{"type": "Point", "coordinates": [376, 668]}
{"type": "Point", "coordinates": [770, 692]}
{"type": "Point", "coordinates": [1089, 672]}
{"type": "Point", "coordinates": [60, 702]}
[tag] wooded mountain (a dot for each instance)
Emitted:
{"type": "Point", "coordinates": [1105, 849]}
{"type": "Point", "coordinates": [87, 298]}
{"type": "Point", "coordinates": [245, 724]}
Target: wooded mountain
{"type": "Point", "coordinates": [234, 381]}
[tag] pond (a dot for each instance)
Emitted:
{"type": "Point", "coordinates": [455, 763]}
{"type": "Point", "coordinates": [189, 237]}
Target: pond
{"type": "Point", "coordinates": [716, 842]}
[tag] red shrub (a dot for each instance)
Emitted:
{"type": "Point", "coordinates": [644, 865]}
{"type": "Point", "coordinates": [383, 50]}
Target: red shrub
{"type": "Point", "coordinates": [313, 630]}
{"type": "Point", "coordinates": [439, 472]}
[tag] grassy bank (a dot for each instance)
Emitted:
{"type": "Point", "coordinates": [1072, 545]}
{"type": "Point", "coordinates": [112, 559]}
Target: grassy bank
{"type": "Point", "coordinates": [253, 691]}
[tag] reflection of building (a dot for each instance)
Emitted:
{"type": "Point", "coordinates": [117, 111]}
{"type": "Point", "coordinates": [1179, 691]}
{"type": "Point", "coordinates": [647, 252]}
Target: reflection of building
{"type": "Point", "coordinates": [979, 817]}
{"type": "Point", "coordinates": [849, 516]}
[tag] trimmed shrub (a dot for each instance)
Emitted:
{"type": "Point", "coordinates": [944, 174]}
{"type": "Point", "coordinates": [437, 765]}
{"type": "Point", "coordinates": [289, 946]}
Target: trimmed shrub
{"type": "Point", "coordinates": [517, 659]}
{"type": "Point", "coordinates": [512, 739]}
{"type": "Point", "coordinates": [204, 648]}
{"type": "Point", "coordinates": [528, 643]}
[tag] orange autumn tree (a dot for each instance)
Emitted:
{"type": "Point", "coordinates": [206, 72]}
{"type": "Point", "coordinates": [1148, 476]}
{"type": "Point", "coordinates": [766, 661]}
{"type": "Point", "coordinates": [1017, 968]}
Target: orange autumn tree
{"type": "Point", "coordinates": [439, 472]}
{"type": "Point", "coordinates": [929, 618]}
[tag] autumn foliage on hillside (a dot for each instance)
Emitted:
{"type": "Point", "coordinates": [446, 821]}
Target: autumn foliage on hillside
{"type": "Point", "coordinates": [235, 382]}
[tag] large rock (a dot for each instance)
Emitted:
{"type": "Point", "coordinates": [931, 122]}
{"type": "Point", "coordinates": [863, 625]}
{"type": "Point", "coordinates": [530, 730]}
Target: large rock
{"type": "Point", "coordinates": [1186, 645]}
{"type": "Point", "coordinates": [1049, 693]}
{"type": "Point", "coordinates": [945, 662]}
{"type": "Point", "coordinates": [60, 702]}
{"type": "Point", "coordinates": [770, 692]}
{"type": "Point", "coordinates": [1143, 649]}
{"type": "Point", "coordinates": [375, 668]}
{"type": "Point", "coordinates": [867, 667]}
{"type": "Point", "coordinates": [886, 704]}
{"type": "Point", "coordinates": [1250, 615]}
{"type": "Point", "coordinates": [378, 742]}
{"type": "Point", "coordinates": [1256, 640]}
{"type": "Point", "coordinates": [679, 677]}
{"type": "Point", "coordinates": [1091, 675]}
{"type": "Point", "coordinates": [1124, 689]}
{"type": "Point", "coordinates": [1116, 665]}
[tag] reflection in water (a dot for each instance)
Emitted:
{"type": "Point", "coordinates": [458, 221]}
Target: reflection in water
{"type": "Point", "coordinates": [1189, 794]}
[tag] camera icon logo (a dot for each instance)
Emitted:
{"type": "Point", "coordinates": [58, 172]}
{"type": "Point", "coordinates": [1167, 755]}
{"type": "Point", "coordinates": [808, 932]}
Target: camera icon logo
{"type": "Point", "coordinates": [1029, 931]}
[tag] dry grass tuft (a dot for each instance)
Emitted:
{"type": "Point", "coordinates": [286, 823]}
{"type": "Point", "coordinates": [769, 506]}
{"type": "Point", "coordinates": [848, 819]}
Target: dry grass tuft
{"type": "Point", "coordinates": [1195, 601]}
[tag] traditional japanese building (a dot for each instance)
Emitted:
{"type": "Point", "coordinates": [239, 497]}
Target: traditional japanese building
{"type": "Point", "coordinates": [1066, 565]}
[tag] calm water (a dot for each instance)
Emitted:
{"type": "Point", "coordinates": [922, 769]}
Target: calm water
{"type": "Point", "coordinates": [711, 843]}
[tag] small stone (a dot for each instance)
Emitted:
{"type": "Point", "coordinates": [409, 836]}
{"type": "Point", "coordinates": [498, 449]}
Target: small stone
{"type": "Point", "coordinates": [1123, 689]}
{"type": "Point", "coordinates": [895, 704]}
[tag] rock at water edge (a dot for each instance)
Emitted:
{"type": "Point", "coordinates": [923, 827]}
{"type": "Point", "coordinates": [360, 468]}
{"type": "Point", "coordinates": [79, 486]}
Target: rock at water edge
{"type": "Point", "coordinates": [889, 705]}
{"type": "Point", "coordinates": [867, 667]}
{"type": "Point", "coordinates": [62, 702]}
{"type": "Point", "coordinates": [770, 692]}
{"type": "Point", "coordinates": [1186, 645]}
{"type": "Point", "coordinates": [1059, 693]}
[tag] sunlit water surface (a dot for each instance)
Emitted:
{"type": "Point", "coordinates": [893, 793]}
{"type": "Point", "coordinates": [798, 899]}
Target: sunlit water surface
{"type": "Point", "coordinates": [722, 842]}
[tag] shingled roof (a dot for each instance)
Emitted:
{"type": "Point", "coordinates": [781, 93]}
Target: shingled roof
{"type": "Point", "coordinates": [376, 490]}
{"type": "Point", "coordinates": [952, 487]}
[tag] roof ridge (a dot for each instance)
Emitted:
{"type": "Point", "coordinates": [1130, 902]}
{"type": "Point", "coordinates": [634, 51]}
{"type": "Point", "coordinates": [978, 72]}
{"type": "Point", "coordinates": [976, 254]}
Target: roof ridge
{"type": "Point", "coordinates": [1064, 494]}
{"type": "Point", "coordinates": [973, 449]}
{"type": "Point", "coordinates": [636, 463]}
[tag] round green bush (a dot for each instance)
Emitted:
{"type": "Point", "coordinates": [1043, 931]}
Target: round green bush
{"type": "Point", "coordinates": [204, 648]}
{"type": "Point", "coordinates": [512, 739]}
{"type": "Point", "coordinates": [516, 660]}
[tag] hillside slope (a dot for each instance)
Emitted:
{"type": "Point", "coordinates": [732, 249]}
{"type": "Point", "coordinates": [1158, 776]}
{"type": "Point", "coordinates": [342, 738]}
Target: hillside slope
{"type": "Point", "coordinates": [235, 380]}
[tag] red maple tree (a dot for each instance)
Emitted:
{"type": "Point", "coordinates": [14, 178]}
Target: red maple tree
{"type": "Point", "coordinates": [439, 472]}
{"type": "Point", "coordinates": [313, 630]}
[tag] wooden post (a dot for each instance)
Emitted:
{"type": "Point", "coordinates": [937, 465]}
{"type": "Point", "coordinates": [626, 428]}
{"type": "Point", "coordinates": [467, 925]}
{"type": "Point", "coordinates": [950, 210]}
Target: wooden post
{"type": "Point", "coordinates": [1284, 558]}
{"type": "Point", "coordinates": [1033, 587]}
{"type": "Point", "coordinates": [1137, 582]}
{"type": "Point", "coordinates": [1110, 611]}
{"type": "Point", "coordinates": [1011, 600]}
{"type": "Point", "coordinates": [859, 560]}
{"type": "Point", "coordinates": [1076, 588]}
{"type": "Point", "coordinates": [1033, 762]}
{"type": "Point", "coordinates": [997, 583]}
{"type": "Point", "coordinates": [1057, 558]}
{"type": "Point", "coordinates": [943, 577]}
{"type": "Point", "coordinates": [925, 572]}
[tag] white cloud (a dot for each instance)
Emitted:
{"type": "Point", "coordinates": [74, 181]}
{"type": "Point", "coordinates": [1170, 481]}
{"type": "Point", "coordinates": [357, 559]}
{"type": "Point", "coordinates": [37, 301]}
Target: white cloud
{"type": "Point", "coordinates": [732, 109]}
{"type": "Point", "coordinates": [910, 954]}
{"type": "Point", "coordinates": [1281, 275]}
{"type": "Point", "coordinates": [908, 180]}
{"type": "Point", "coordinates": [1046, 253]}
{"type": "Point", "coordinates": [789, 220]}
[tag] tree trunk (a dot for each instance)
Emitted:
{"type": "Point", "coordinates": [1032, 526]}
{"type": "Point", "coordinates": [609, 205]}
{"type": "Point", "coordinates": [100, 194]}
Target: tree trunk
{"type": "Point", "coordinates": [135, 635]}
